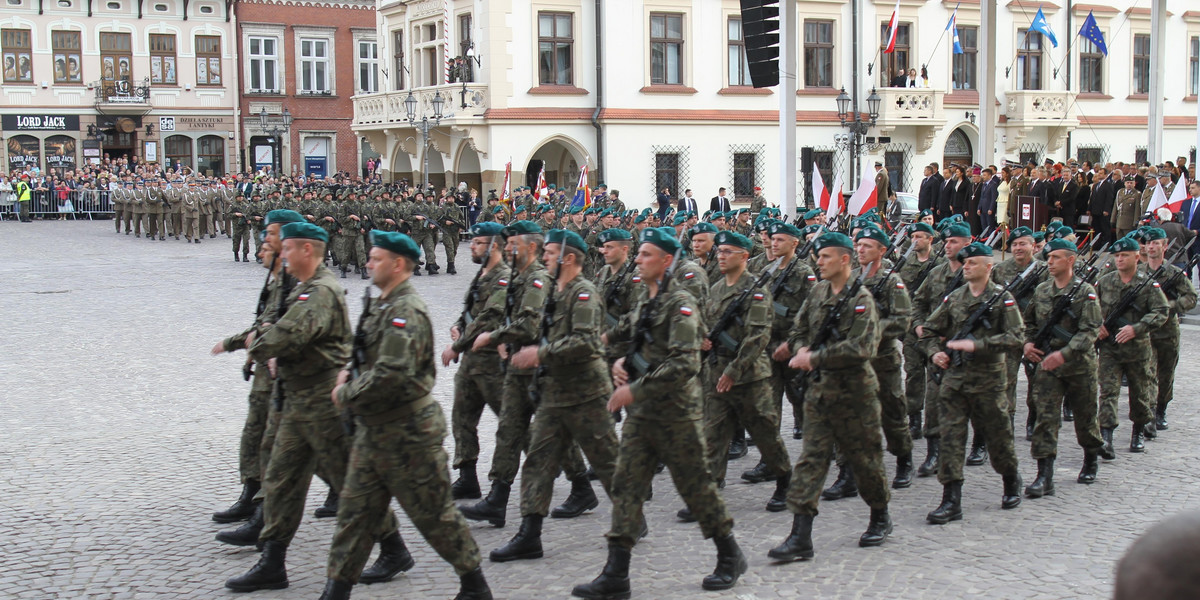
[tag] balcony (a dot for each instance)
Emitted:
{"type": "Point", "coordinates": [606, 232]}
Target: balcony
{"type": "Point", "coordinates": [123, 97]}
{"type": "Point", "coordinates": [1027, 109]}
{"type": "Point", "coordinates": [385, 110]}
{"type": "Point", "coordinates": [912, 107]}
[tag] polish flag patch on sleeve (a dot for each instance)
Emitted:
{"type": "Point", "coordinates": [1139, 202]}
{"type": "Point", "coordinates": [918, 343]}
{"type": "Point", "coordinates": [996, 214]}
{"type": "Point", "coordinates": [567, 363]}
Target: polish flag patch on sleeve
{"type": "Point", "coordinates": [502, 283]}
{"type": "Point", "coordinates": [584, 297]}
{"type": "Point", "coordinates": [637, 279]}
{"type": "Point", "coordinates": [1156, 284]}
{"type": "Point", "coordinates": [759, 296]}
{"type": "Point", "coordinates": [302, 297]}
{"type": "Point", "coordinates": [860, 309]}
{"type": "Point", "coordinates": [400, 323]}
{"type": "Point", "coordinates": [1091, 296]}
{"type": "Point", "coordinates": [689, 275]}
{"type": "Point", "coordinates": [812, 277]}
{"type": "Point", "coordinates": [1009, 302]}
{"type": "Point", "coordinates": [899, 285]}
{"type": "Point", "coordinates": [537, 283]}
{"type": "Point", "coordinates": [685, 311]}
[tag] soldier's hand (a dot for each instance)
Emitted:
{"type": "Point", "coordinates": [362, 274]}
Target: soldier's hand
{"type": "Point", "coordinates": [333, 396]}
{"type": "Point", "coordinates": [724, 384]}
{"type": "Point", "coordinates": [604, 338]}
{"type": "Point", "coordinates": [455, 333]}
{"type": "Point", "coordinates": [1103, 332]}
{"type": "Point", "coordinates": [941, 359]}
{"type": "Point", "coordinates": [482, 341]}
{"type": "Point", "coordinates": [1125, 334]}
{"type": "Point", "coordinates": [525, 358]}
{"type": "Point", "coordinates": [706, 344]}
{"type": "Point", "coordinates": [920, 331]}
{"type": "Point", "coordinates": [389, 221]}
{"type": "Point", "coordinates": [621, 397]}
{"type": "Point", "coordinates": [330, 219]}
{"type": "Point", "coordinates": [1053, 361]}
{"type": "Point", "coordinates": [967, 346]}
{"type": "Point", "coordinates": [1032, 354]}
{"type": "Point", "coordinates": [449, 356]}
{"type": "Point", "coordinates": [219, 348]}
{"type": "Point", "coordinates": [619, 374]}
{"type": "Point", "coordinates": [343, 377]}
{"type": "Point", "coordinates": [802, 360]}
{"type": "Point", "coordinates": [782, 353]}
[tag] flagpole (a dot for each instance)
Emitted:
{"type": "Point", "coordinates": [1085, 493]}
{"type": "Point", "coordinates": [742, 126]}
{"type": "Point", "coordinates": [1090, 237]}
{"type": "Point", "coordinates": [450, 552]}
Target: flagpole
{"type": "Point", "coordinates": [943, 36]}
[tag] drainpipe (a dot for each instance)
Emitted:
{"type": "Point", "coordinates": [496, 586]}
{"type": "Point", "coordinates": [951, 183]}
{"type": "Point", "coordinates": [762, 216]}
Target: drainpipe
{"type": "Point", "coordinates": [235, 39]}
{"type": "Point", "coordinates": [599, 94]}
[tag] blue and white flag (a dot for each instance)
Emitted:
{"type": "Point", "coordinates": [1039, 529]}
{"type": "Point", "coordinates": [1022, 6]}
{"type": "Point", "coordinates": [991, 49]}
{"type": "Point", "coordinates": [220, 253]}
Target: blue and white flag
{"type": "Point", "coordinates": [1091, 32]}
{"type": "Point", "coordinates": [1041, 26]}
{"type": "Point", "coordinates": [952, 27]}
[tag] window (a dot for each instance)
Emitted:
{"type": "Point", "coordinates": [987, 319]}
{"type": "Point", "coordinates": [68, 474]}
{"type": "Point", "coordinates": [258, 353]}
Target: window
{"type": "Point", "coordinates": [666, 171]}
{"type": "Point", "coordinates": [206, 9]}
{"type": "Point", "coordinates": [464, 45]}
{"type": "Point", "coordinates": [368, 66]}
{"type": "Point", "coordinates": [18, 55]}
{"type": "Point", "coordinates": [1091, 154]}
{"type": "Point", "coordinates": [666, 49]}
{"type": "Point", "coordinates": [14, 2]}
{"type": "Point", "coordinates": [314, 66]}
{"type": "Point", "coordinates": [398, 59]}
{"type": "Point", "coordinates": [1029, 60]}
{"type": "Point", "coordinates": [966, 64]}
{"type": "Point", "coordinates": [1195, 66]}
{"type": "Point", "coordinates": [210, 155]}
{"type": "Point", "coordinates": [893, 162]}
{"type": "Point", "coordinates": [67, 61]}
{"type": "Point", "coordinates": [208, 60]}
{"type": "Point", "coordinates": [739, 66]}
{"type": "Point", "coordinates": [116, 59]}
{"type": "Point", "coordinates": [1139, 155]}
{"type": "Point", "coordinates": [114, 6]}
{"type": "Point", "coordinates": [428, 66]}
{"type": "Point", "coordinates": [896, 63]}
{"type": "Point", "coordinates": [64, 3]}
{"type": "Point", "coordinates": [1141, 64]}
{"type": "Point", "coordinates": [264, 62]}
{"type": "Point", "coordinates": [178, 151]}
{"type": "Point", "coordinates": [818, 54]}
{"type": "Point", "coordinates": [1091, 67]}
{"type": "Point", "coordinates": [743, 175]}
{"type": "Point", "coordinates": [162, 59]}
{"type": "Point", "coordinates": [555, 42]}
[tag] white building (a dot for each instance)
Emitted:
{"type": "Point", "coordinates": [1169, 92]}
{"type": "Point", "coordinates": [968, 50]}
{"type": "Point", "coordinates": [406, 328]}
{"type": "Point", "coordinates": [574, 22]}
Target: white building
{"type": "Point", "coordinates": [671, 102]}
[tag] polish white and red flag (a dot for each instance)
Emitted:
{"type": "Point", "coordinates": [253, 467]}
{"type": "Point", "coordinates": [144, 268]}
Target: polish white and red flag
{"type": "Point", "coordinates": [892, 27]}
{"type": "Point", "coordinates": [864, 198]}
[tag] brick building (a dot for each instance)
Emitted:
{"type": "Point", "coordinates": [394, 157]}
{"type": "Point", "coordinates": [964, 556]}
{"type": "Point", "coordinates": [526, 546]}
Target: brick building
{"type": "Point", "coordinates": [293, 62]}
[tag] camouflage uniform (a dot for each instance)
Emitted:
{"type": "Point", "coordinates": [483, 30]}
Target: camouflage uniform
{"type": "Point", "coordinates": [925, 299]}
{"type": "Point", "coordinates": [1181, 296]}
{"type": "Point", "coordinates": [974, 391]}
{"type": "Point", "coordinates": [619, 298]}
{"type": "Point", "coordinates": [841, 402]}
{"type": "Point", "coordinates": [424, 231]}
{"type": "Point", "coordinates": [1004, 272]}
{"type": "Point", "coordinates": [397, 448]}
{"type": "Point", "coordinates": [793, 290]}
{"type": "Point", "coordinates": [241, 226]}
{"type": "Point", "coordinates": [690, 276]}
{"type": "Point", "coordinates": [915, 364]}
{"type": "Point", "coordinates": [893, 308]}
{"type": "Point", "coordinates": [450, 222]}
{"type": "Point", "coordinates": [479, 375]}
{"type": "Point", "coordinates": [1135, 358]}
{"type": "Point", "coordinates": [350, 250]}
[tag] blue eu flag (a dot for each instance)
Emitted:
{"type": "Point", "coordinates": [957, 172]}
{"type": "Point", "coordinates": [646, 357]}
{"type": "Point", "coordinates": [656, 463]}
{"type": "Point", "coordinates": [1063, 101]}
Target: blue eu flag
{"type": "Point", "coordinates": [1091, 32]}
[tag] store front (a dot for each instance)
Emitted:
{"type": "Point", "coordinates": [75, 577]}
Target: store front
{"type": "Point", "coordinates": [41, 142]}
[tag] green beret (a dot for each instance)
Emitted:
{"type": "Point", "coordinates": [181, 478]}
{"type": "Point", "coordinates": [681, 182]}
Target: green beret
{"type": "Point", "coordinates": [921, 227]}
{"type": "Point", "coordinates": [1060, 244]}
{"type": "Point", "coordinates": [814, 228]}
{"type": "Point", "coordinates": [813, 214]}
{"type": "Point", "coordinates": [284, 216]}
{"type": "Point", "coordinates": [957, 230]}
{"type": "Point", "coordinates": [574, 210]}
{"type": "Point", "coordinates": [566, 237]}
{"type": "Point", "coordinates": [739, 211]}
{"type": "Point", "coordinates": [662, 237]}
{"type": "Point", "coordinates": [871, 216]}
{"type": "Point", "coordinates": [486, 229]}
{"type": "Point", "coordinates": [615, 234]}
{"type": "Point", "coordinates": [680, 219]}
{"type": "Point", "coordinates": [718, 215]}
{"type": "Point", "coordinates": [872, 232]}
{"type": "Point", "coordinates": [778, 227]}
{"type": "Point", "coordinates": [1125, 244]}
{"type": "Point", "coordinates": [608, 212]}
{"type": "Point", "coordinates": [1019, 232]}
{"type": "Point", "coordinates": [520, 209]}
{"type": "Point", "coordinates": [926, 213]}
{"type": "Point", "coordinates": [394, 241]}
{"type": "Point", "coordinates": [521, 227]}
{"type": "Point", "coordinates": [702, 227]}
{"type": "Point", "coordinates": [860, 222]}
{"type": "Point", "coordinates": [639, 218]}
{"type": "Point", "coordinates": [974, 249]}
{"type": "Point", "coordinates": [955, 218]}
{"type": "Point", "coordinates": [1062, 233]}
{"type": "Point", "coordinates": [305, 231]}
{"type": "Point", "coordinates": [762, 223]}
{"type": "Point", "coordinates": [1154, 233]}
{"type": "Point", "coordinates": [497, 209]}
{"type": "Point", "coordinates": [706, 215]}
{"type": "Point", "coordinates": [832, 239]}
{"type": "Point", "coordinates": [732, 238]}
{"type": "Point", "coordinates": [1039, 236]}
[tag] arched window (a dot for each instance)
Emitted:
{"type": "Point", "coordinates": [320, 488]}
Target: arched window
{"type": "Point", "coordinates": [958, 149]}
{"type": "Point", "coordinates": [210, 155]}
{"type": "Point", "coordinates": [179, 151]}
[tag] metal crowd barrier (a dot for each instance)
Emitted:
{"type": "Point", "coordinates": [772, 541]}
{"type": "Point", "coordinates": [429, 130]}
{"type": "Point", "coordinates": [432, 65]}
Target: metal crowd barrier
{"type": "Point", "coordinates": [50, 204]}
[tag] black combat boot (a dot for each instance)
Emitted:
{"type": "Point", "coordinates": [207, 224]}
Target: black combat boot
{"type": "Point", "coordinates": [268, 574]}
{"type": "Point", "coordinates": [336, 589]}
{"type": "Point", "coordinates": [1137, 442]}
{"type": "Point", "coordinates": [526, 544]}
{"type": "Point", "coordinates": [365, 274]}
{"type": "Point", "coordinates": [343, 269]}
{"type": "Point", "coordinates": [778, 501]}
{"type": "Point", "coordinates": [1030, 423]}
{"type": "Point", "coordinates": [760, 473]}
{"type": "Point", "coordinates": [1012, 491]}
{"type": "Point", "coordinates": [798, 544]}
{"type": "Point", "coordinates": [247, 534]}
{"type": "Point", "coordinates": [581, 500]}
{"type": "Point", "coordinates": [1160, 418]}
{"type": "Point", "coordinates": [1149, 431]}
{"type": "Point", "coordinates": [417, 271]}
{"type": "Point", "coordinates": [951, 507]}
{"type": "Point", "coordinates": [236, 258]}
{"type": "Point", "coordinates": [356, 269]}
{"type": "Point", "coordinates": [914, 425]}
{"type": "Point", "coordinates": [472, 586]}
{"type": "Point", "coordinates": [904, 472]}
{"type": "Point", "coordinates": [844, 487]}
{"type": "Point", "coordinates": [737, 447]}
{"type": "Point", "coordinates": [979, 453]}
{"type": "Point", "coordinates": [1107, 452]}
{"type": "Point", "coordinates": [466, 487]}
{"type": "Point", "coordinates": [1068, 414]}
{"type": "Point", "coordinates": [393, 558]}
{"type": "Point", "coordinates": [797, 423]}
{"type": "Point", "coordinates": [933, 450]}
{"type": "Point", "coordinates": [329, 509]}
{"type": "Point", "coordinates": [878, 529]}
{"type": "Point", "coordinates": [613, 582]}
{"type": "Point", "coordinates": [491, 509]}
{"type": "Point", "coordinates": [1091, 464]}
{"type": "Point", "coordinates": [1043, 484]}
{"type": "Point", "coordinates": [450, 269]}
{"type": "Point", "coordinates": [243, 508]}
{"type": "Point", "coordinates": [257, 260]}
{"type": "Point", "coordinates": [731, 564]}
{"type": "Point", "coordinates": [246, 257]}
{"type": "Point", "coordinates": [685, 515]}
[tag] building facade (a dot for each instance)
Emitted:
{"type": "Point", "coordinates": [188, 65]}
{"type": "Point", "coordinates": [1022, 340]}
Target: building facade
{"type": "Point", "coordinates": [84, 79]}
{"type": "Point", "coordinates": [305, 60]}
{"type": "Point", "coordinates": [657, 93]}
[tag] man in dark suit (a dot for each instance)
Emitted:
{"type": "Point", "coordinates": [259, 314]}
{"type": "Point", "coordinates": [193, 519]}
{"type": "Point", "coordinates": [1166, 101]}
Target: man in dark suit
{"type": "Point", "coordinates": [1065, 190]}
{"type": "Point", "coordinates": [1100, 206]}
{"type": "Point", "coordinates": [988, 197]}
{"type": "Point", "coordinates": [720, 202]}
{"type": "Point", "coordinates": [928, 193]}
{"type": "Point", "coordinates": [901, 78]}
{"type": "Point", "coordinates": [945, 206]}
{"type": "Point", "coordinates": [687, 203]}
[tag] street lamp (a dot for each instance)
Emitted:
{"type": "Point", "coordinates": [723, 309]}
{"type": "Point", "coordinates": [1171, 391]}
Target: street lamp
{"type": "Point", "coordinates": [276, 128]}
{"type": "Point", "coordinates": [424, 124]}
{"type": "Point", "coordinates": [852, 120]}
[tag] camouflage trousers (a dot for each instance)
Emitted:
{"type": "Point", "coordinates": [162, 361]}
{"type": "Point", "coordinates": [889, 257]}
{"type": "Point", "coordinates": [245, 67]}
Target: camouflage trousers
{"type": "Point", "coordinates": [747, 404]}
{"type": "Point", "coordinates": [1012, 371]}
{"type": "Point", "coordinates": [241, 238]}
{"type": "Point", "coordinates": [849, 416]}
{"type": "Point", "coordinates": [403, 459]}
{"type": "Point", "coordinates": [512, 434]}
{"type": "Point", "coordinates": [298, 450]}
{"type": "Point", "coordinates": [1166, 356]}
{"type": "Point", "coordinates": [427, 240]}
{"type": "Point", "coordinates": [475, 384]}
{"type": "Point", "coordinates": [915, 376]}
{"type": "Point", "coordinates": [933, 403]}
{"type": "Point", "coordinates": [781, 375]}
{"type": "Point", "coordinates": [1079, 391]}
{"type": "Point", "coordinates": [450, 240]}
{"type": "Point", "coordinates": [588, 426]}
{"type": "Point", "coordinates": [350, 251]}
{"type": "Point", "coordinates": [680, 446]}
{"type": "Point", "coordinates": [257, 238]}
{"type": "Point", "coordinates": [1143, 387]}
{"type": "Point", "coordinates": [893, 407]}
{"type": "Point", "coordinates": [251, 461]}
{"type": "Point", "coordinates": [982, 404]}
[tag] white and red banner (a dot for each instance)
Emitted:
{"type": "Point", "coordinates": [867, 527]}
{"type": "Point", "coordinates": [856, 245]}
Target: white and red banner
{"type": "Point", "coordinates": [864, 198]}
{"type": "Point", "coordinates": [893, 25]}
{"type": "Point", "coordinates": [504, 193]}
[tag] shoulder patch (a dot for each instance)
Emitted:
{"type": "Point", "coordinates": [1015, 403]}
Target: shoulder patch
{"type": "Point", "coordinates": [1091, 296]}
{"type": "Point", "coordinates": [759, 296]}
{"type": "Point", "coordinates": [899, 285]}
{"type": "Point", "coordinates": [537, 283]}
{"type": "Point", "coordinates": [1156, 284]}
{"type": "Point", "coordinates": [860, 309]}
{"type": "Point", "coordinates": [811, 277]}
{"type": "Point", "coordinates": [399, 323]}
{"type": "Point", "coordinates": [502, 283]}
{"type": "Point", "coordinates": [945, 299]}
{"type": "Point", "coordinates": [636, 279]}
{"type": "Point", "coordinates": [1008, 302]}
{"type": "Point", "coordinates": [303, 296]}
{"type": "Point", "coordinates": [685, 311]}
{"type": "Point", "coordinates": [584, 296]}
{"type": "Point", "coordinates": [689, 275]}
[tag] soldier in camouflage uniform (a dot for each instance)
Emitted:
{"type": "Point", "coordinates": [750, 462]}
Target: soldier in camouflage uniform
{"type": "Point", "coordinates": [704, 250]}
{"type": "Point", "coordinates": [790, 285]}
{"type": "Point", "coordinates": [424, 230]}
{"type": "Point", "coordinates": [658, 385]}
{"type": "Point", "coordinates": [239, 211]}
{"type": "Point", "coordinates": [1127, 351]}
{"type": "Point", "coordinates": [617, 283]}
{"type": "Point", "coordinates": [479, 375]}
{"type": "Point", "coordinates": [397, 447]}
{"type": "Point", "coordinates": [841, 403]}
{"type": "Point", "coordinates": [257, 213]}
{"type": "Point", "coordinates": [973, 391]}
{"type": "Point", "coordinates": [451, 224]}
{"type": "Point", "coordinates": [351, 224]}
{"type": "Point", "coordinates": [913, 273]}
{"type": "Point", "coordinates": [1181, 296]}
{"type": "Point", "coordinates": [1066, 365]}
{"type": "Point", "coordinates": [1020, 243]}
{"type": "Point", "coordinates": [572, 384]}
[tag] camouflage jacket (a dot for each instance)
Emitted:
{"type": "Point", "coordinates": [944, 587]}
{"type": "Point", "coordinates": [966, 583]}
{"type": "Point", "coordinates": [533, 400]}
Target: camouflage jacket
{"type": "Point", "coordinates": [1181, 297]}
{"type": "Point", "coordinates": [483, 308]}
{"type": "Point", "coordinates": [793, 291]}
{"type": "Point", "coordinates": [1007, 270]}
{"type": "Point", "coordinates": [998, 334]}
{"type": "Point", "coordinates": [1150, 310]}
{"type": "Point", "coordinates": [526, 292]}
{"type": "Point", "coordinates": [741, 349]}
{"type": "Point", "coordinates": [571, 352]}
{"type": "Point", "coordinates": [844, 362]}
{"type": "Point", "coordinates": [931, 293]}
{"type": "Point", "coordinates": [670, 347]}
{"type": "Point", "coordinates": [893, 308]}
{"type": "Point", "coordinates": [1075, 334]}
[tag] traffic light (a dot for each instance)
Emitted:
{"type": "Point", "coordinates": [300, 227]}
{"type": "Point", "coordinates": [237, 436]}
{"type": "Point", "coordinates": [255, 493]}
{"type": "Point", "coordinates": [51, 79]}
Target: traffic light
{"type": "Point", "coordinates": [760, 33]}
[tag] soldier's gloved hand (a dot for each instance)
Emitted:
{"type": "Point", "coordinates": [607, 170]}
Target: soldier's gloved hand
{"type": "Point", "coordinates": [449, 356]}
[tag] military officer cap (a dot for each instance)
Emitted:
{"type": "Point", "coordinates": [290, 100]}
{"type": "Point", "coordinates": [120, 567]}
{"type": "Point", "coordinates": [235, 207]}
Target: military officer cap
{"type": "Point", "coordinates": [567, 238]}
{"type": "Point", "coordinates": [1154, 233]}
{"type": "Point", "coordinates": [957, 230]}
{"type": "Point", "coordinates": [1019, 232]}
{"type": "Point", "coordinates": [1129, 178]}
{"type": "Point", "coordinates": [305, 231]}
{"type": "Point", "coordinates": [486, 229]}
{"type": "Point", "coordinates": [703, 227]}
{"type": "Point", "coordinates": [1164, 174]}
{"type": "Point", "coordinates": [521, 227]}
{"type": "Point", "coordinates": [615, 234]}
{"type": "Point", "coordinates": [284, 216]}
{"type": "Point", "coordinates": [1039, 236]}
{"type": "Point", "coordinates": [1125, 244]}
{"type": "Point", "coordinates": [872, 232]}
{"type": "Point", "coordinates": [1060, 244]}
{"type": "Point", "coordinates": [928, 212]}
{"type": "Point", "coordinates": [732, 238]}
{"type": "Point", "coordinates": [972, 250]}
{"type": "Point", "coordinates": [814, 228]}
{"type": "Point", "coordinates": [832, 239]}
{"type": "Point", "coordinates": [662, 237]}
{"type": "Point", "coordinates": [778, 227]}
{"type": "Point", "coordinates": [399, 243]}
{"type": "Point", "coordinates": [920, 227]}
{"type": "Point", "coordinates": [680, 219]}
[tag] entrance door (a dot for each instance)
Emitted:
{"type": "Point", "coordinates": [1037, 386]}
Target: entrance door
{"type": "Point", "coordinates": [958, 150]}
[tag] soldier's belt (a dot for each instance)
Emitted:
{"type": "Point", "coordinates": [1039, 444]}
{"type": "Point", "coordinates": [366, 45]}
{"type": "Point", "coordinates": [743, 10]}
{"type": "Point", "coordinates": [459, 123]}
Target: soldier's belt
{"type": "Point", "coordinates": [296, 382]}
{"type": "Point", "coordinates": [404, 411]}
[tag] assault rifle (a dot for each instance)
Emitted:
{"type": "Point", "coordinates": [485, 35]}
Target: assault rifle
{"type": "Point", "coordinates": [635, 364]}
{"type": "Point", "coordinates": [828, 331]}
{"type": "Point", "coordinates": [732, 315]}
{"type": "Point", "coordinates": [473, 292]}
{"type": "Point", "coordinates": [510, 302]}
{"type": "Point", "coordinates": [929, 265]}
{"type": "Point", "coordinates": [878, 288]}
{"type": "Point", "coordinates": [1168, 287]}
{"type": "Point", "coordinates": [358, 356]}
{"type": "Point", "coordinates": [248, 367]}
{"type": "Point", "coordinates": [1023, 291]}
{"type": "Point", "coordinates": [1050, 328]}
{"type": "Point", "coordinates": [1115, 319]}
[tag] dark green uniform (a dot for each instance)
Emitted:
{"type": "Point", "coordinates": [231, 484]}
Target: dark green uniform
{"type": "Point", "coordinates": [915, 364]}
{"type": "Point", "coordinates": [1181, 296]}
{"type": "Point", "coordinates": [1004, 272]}
{"type": "Point", "coordinates": [793, 291]}
{"type": "Point", "coordinates": [893, 308]}
{"type": "Point", "coordinates": [479, 376]}
{"type": "Point", "coordinates": [1135, 358]}
{"type": "Point", "coordinates": [925, 299]}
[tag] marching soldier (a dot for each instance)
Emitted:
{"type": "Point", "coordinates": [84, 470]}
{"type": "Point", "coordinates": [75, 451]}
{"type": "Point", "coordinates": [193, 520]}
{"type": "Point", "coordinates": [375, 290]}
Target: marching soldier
{"type": "Point", "coordinates": [1020, 243]}
{"type": "Point", "coordinates": [239, 211]}
{"type": "Point", "coordinates": [350, 234]}
{"type": "Point", "coordinates": [617, 283]}
{"type": "Point", "coordinates": [913, 273]}
{"type": "Point", "coordinates": [154, 211]}
{"type": "Point", "coordinates": [424, 231]}
{"type": "Point", "coordinates": [204, 199]}
{"type": "Point", "coordinates": [117, 199]}
{"type": "Point", "coordinates": [191, 213]}
{"type": "Point", "coordinates": [793, 278]}
{"type": "Point", "coordinates": [139, 210]}
{"type": "Point", "coordinates": [1181, 296]}
{"type": "Point", "coordinates": [451, 224]}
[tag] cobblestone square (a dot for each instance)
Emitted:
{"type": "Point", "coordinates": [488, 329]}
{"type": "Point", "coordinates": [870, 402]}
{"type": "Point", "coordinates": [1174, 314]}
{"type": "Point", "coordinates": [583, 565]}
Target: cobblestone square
{"type": "Point", "coordinates": [121, 431]}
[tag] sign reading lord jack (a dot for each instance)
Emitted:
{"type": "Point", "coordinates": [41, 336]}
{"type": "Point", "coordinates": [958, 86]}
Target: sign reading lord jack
{"type": "Point", "coordinates": [40, 122]}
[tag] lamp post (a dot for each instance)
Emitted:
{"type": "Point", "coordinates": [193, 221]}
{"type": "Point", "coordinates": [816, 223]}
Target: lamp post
{"type": "Point", "coordinates": [461, 70]}
{"type": "Point", "coordinates": [852, 120]}
{"type": "Point", "coordinates": [424, 124]}
{"type": "Point", "coordinates": [276, 128]}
